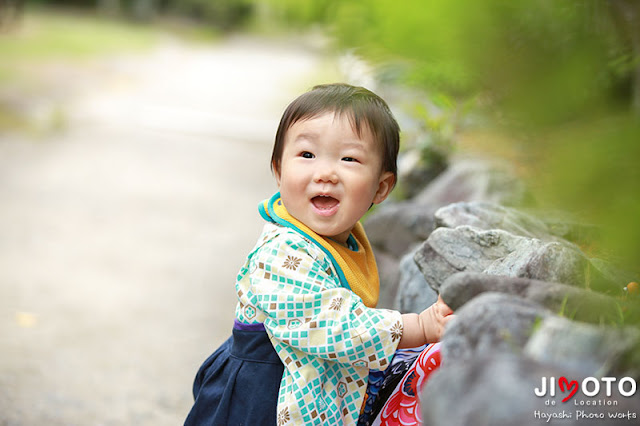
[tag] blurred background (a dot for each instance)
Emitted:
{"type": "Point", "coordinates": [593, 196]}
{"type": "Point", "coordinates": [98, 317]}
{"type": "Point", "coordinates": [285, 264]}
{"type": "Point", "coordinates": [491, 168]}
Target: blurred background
{"type": "Point", "coordinates": [134, 145]}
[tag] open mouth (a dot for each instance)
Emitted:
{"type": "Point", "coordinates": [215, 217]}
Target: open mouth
{"type": "Point", "coordinates": [325, 205]}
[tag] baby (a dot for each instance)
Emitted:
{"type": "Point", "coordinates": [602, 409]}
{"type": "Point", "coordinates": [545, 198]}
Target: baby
{"type": "Point", "coordinates": [306, 332]}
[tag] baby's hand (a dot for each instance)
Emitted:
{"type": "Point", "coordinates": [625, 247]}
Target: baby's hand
{"type": "Point", "coordinates": [433, 320]}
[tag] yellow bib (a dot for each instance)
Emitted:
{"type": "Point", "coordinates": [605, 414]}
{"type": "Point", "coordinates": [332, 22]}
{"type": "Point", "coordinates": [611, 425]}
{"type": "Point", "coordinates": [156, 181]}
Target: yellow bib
{"type": "Point", "coordinates": [357, 269]}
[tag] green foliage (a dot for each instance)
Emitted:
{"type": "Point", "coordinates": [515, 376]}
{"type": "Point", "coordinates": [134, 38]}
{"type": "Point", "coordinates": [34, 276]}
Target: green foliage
{"type": "Point", "coordinates": [558, 75]}
{"type": "Point", "coordinates": [424, 34]}
{"type": "Point", "coordinates": [613, 311]}
{"type": "Point", "coordinates": [517, 52]}
{"type": "Point", "coordinates": [300, 13]}
{"type": "Point", "coordinates": [438, 128]}
{"type": "Point", "coordinates": [590, 167]}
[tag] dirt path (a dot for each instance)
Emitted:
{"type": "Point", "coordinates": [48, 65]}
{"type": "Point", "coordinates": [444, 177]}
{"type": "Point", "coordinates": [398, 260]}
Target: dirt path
{"type": "Point", "coordinates": [120, 237]}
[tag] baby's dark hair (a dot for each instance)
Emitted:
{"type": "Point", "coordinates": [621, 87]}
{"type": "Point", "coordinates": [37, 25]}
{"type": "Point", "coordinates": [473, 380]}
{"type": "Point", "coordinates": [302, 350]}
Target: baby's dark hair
{"type": "Point", "coordinates": [362, 106]}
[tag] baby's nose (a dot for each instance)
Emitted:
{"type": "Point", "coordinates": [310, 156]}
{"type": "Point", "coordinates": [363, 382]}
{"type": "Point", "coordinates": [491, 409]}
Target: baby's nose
{"type": "Point", "coordinates": [325, 172]}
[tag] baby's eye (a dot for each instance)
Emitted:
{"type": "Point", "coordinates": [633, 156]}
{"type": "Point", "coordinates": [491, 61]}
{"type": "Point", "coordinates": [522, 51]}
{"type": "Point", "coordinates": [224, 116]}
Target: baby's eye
{"type": "Point", "coordinates": [349, 159]}
{"type": "Point", "coordinates": [307, 154]}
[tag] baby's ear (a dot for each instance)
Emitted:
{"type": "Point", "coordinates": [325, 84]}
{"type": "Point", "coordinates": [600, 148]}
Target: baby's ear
{"type": "Point", "coordinates": [385, 185]}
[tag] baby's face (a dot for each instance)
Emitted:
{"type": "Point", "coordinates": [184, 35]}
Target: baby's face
{"type": "Point", "coordinates": [329, 176]}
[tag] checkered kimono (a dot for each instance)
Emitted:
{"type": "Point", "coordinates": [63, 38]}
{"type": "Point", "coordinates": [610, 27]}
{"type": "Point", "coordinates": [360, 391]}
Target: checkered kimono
{"type": "Point", "coordinates": [326, 337]}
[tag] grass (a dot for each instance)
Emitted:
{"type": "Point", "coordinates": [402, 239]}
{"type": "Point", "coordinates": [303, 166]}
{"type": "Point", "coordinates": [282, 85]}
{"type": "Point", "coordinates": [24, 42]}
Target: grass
{"type": "Point", "coordinates": [52, 35]}
{"type": "Point", "coordinates": [46, 37]}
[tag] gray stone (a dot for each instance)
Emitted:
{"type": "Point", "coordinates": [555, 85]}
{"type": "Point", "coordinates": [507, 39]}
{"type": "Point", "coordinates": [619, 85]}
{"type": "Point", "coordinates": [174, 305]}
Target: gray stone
{"type": "Point", "coordinates": [498, 252]}
{"type": "Point", "coordinates": [485, 391]}
{"type": "Point", "coordinates": [491, 322]}
{"type": "Point", "coordinates": [397, 227]}
{"type": "Point", "coordinates": [473, 180]}
{"type": "Point", "coordinates": [499, 390]}
{"type": "Point", "coordinates": [588, 349]}
{"type": "Point", "coordinates": [533, 258]}
{"type": "Point", "coordinates": [414, 293]}
{"type": "Point", "coordinates": [566, 226]}
{"type": "Point", "coordinates": [579, 304]}
{"type": "Point", "coordinates": [389, 273]}
{"type": "Point", "coordinates": [485, 215]}
{"type": "Point", "coordinates": [548, 226]}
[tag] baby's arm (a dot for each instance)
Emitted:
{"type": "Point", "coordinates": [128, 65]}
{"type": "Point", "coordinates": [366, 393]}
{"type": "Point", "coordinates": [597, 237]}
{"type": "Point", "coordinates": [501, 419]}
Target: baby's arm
{"type": "Point", "coordinates": [426, 327]}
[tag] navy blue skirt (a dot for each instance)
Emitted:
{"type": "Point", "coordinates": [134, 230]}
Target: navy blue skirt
{"type": "Point", "coordinates": [238, 384]}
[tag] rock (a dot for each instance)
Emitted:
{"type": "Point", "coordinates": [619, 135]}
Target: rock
{"type": "Point", "coordinates": [498, 252]}
{"type": "Point", "coordinates": [389, 273]}
{"type": "Point", "coordinates": [484, 215]}
{"type": "Point", "coordinates": [579, 304]}
{"type": "Point", "coordinates": [414, 293]}
{"type": "Point", "coordinates": [487, 216]}
{"type": "Point", "coordinates": [473, 180]}
{"type": "Point", "coordinates": [545, 226]}
{"type": "Point", "coordinates": [490, 323]}
{"type": "Point", "coordinates": [397, 227]}
{"type": "Point", "coordinates": [499, 390]}
{"type": "Point", "coordinates": [494, 390]}
{"type": "Point", "coordinates": [566, 226]}
{"type": "Point", "coordinates": [533, 258]}
{"type": "Point", "coordinates": [590, 350]}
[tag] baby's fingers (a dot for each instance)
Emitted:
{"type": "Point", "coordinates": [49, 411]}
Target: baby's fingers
{"type": "Point", "coordinates": [446, 319]}
{"type": "Point", "coordinates": [443, 308]}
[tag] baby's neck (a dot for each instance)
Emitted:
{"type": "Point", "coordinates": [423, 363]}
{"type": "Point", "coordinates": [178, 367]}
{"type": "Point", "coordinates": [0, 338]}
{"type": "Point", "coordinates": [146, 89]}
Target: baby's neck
{"type": "Point", "coordinates": [343, 244]}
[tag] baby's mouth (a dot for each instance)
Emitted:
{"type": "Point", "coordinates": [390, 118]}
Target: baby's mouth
{"type": "Point", "coordinates": [325, 204]}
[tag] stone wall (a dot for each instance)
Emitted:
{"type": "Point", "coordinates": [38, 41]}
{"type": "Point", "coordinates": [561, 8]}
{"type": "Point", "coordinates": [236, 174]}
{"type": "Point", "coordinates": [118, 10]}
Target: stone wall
{"type": "Point", "coordinates": [531, 306]}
